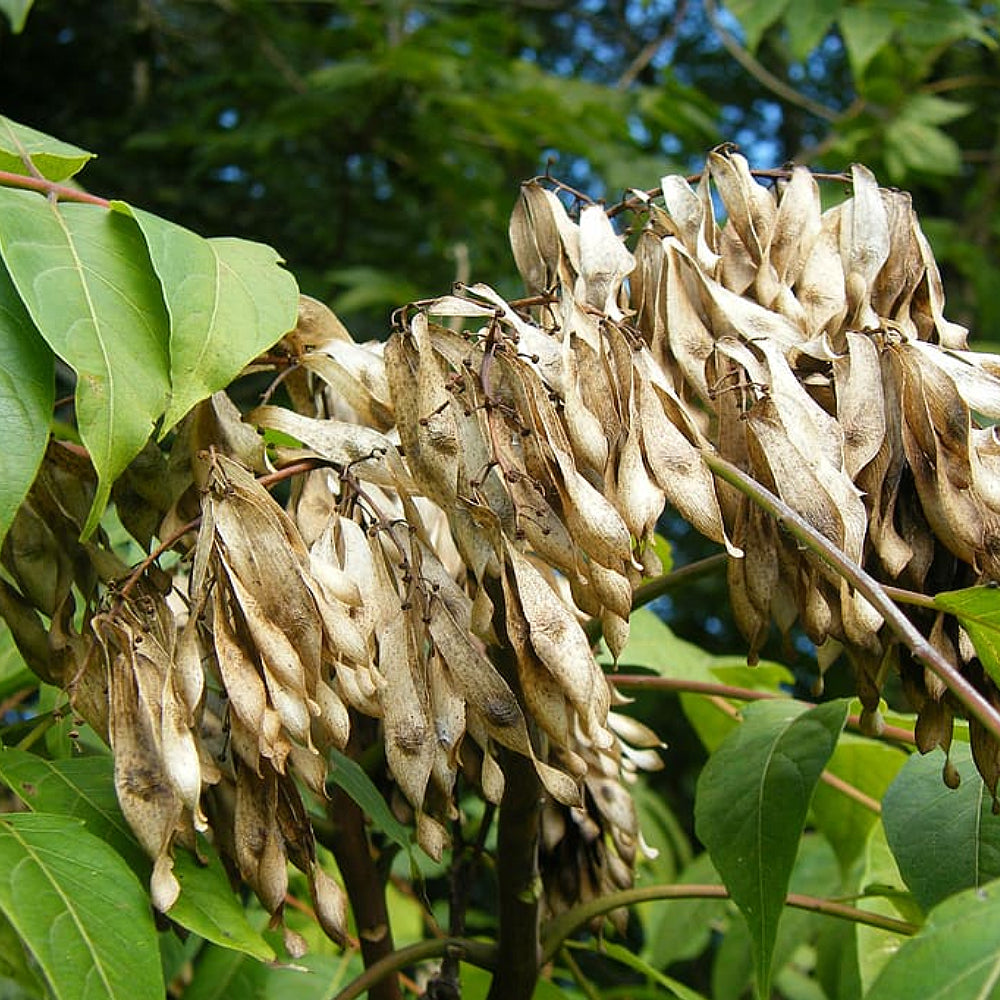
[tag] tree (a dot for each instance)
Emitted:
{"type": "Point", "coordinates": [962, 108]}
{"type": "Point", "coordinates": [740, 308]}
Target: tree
{"type": "Point", "coordinates": [389, 666]}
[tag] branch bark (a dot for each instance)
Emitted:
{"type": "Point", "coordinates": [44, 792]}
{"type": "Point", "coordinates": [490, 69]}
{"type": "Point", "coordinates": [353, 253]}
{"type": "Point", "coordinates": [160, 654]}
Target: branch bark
{"type": "Point", "coordinates": [365, 888]}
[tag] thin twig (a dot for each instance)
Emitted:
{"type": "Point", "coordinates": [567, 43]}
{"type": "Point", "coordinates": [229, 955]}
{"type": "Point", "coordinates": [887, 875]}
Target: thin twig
{"type": "Point", "coordinates": [477, 953]}
{"type": "Point", "coordinates": [560, 928]}
{"type": "Point", "coordinates": [762, 74]}
{"type": "Point", "coordinates": [852, 792]}
{"type": "Point", "coordinates": [868, 586]}
{"type": "Point", "coordinates": [681, 685]}
{"type": "Point", "coordinates": [648, 52]}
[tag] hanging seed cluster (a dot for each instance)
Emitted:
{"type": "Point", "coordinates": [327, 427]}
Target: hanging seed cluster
{"type": "Point", "coordinates": [492, 476]}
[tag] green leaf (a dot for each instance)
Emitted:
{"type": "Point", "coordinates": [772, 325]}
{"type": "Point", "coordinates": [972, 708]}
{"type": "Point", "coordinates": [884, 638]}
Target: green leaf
{"type": "Point", "coordinates": [978, 611]}
{"type": "Point", "coordinates": [618, 953]}
{"type": "Point", "coordinates": [884, 893]}
{"type": "Point", "coordinates": [955, 956]}
{"type": "Point", "coordinates": [349, 775]}
{"type": "Point", "coordinates": [751, 804]}
{"type": "Point", "coordinates": [713, 725]}
{"type": "Point", "coordinates": [756, 16]}
{"type": "Point", "coordinates": [681, 929]}
{"type": "Point", "coordinates": [84, 274]}
{"type": "Point", "coordinates": [228, 300]}
{"type": "Point", "coordinates": [652, 645]}
{"type": "Point", "coordinates": [868, 765]}
{"type": "Point", "coordinates": [808, 26]}
{"type": "Point", "coordinates": [78, 787]}
{"type": "Point", "coordinates": [83, 787]}
{"type": "Point", "coordinates": [17, 13]}
{"type": "Point", "coordinates": [78, 909]}
{"type": "Point", "coordinates": [208, 907]}
{"type": "Point", "coordinates": [15, 965]}
{"type": "Point", "coordinates": [865, 30]}
{"type": "Point", "coordinates": [223, 975]}
{"type": "Point", "coordinates": [944, 840]}
{"type": "Point", "coordinates": [27, 391]}
{"type": "Point", "coordinates": [20, 145]}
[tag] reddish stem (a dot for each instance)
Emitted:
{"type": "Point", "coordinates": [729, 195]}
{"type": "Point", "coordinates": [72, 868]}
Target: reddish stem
{"type": "Point", "coordinates": [60, 192]}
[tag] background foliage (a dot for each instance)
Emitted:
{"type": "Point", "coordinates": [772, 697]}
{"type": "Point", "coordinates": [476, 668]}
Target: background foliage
{"type": "Point", "coordinates": [378, 147]}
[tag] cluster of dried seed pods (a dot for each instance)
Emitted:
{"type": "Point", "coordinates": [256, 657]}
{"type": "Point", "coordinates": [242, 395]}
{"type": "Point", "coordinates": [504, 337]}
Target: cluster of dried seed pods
{"type": "Point", "coordinates": [493, 475]}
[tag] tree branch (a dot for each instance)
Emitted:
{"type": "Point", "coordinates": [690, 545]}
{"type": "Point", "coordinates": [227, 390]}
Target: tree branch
{"type": "Point", "coordinates": [764, 76]}
{"type": "Point", "coordinates": [566, 923]}
{"type": "Point", "coordinates": [61, 192]}
{"type": "Point", "coordinates": [973, 702]}
{"type": "Point", "coordinates": [477, 953]}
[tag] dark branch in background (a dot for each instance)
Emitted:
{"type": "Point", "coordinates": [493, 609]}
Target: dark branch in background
{"type": "Point", "coordinates": [973, 702]}
{"type": "Point", "coordinates": [648, 52]}
{"type": "Point", "coordinates": [777, 87]}
{"type": "Point", "coordinates": [519, 887]}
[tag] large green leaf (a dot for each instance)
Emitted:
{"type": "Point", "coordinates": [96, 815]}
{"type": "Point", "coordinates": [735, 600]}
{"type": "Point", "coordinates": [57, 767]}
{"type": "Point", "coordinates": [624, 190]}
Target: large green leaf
{"type": "Point", "coordinates": [79, 910]}
{"type": "Point", "coordinates": [865, 29]}
{"type": "Point", "coordinates": [955, 956]}
{"type": "Point", "coordinates": [84, 275]}
{"type": "Point", "coordinates": [228, 300]}
{"type": "Point", "coordinates": [978, 609]}
{"type": "Point", "coordinates": [20, 145]}
{"type": "Point", "coordinates": [78, 787]}
{"type": "Point", "coordinates": [27, 389]}
{"type": "Point", "coordinates": [83, 787]}
{"type": "Point", "coordinates": [944, 839]}
{"type": "Point", "coordinates": [751, 804]}
{"type": "Point", "coordinates": [868, 765]}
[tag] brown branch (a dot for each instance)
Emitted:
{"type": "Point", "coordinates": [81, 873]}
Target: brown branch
{"type": "Point", "coordinates": [963, 691]}
{"type": "Point", "coordinates": [680, 685]}
{"type": "Point", "coordinates": [565, 924]}
{"type": "Point", "coordinates": [61, 192]}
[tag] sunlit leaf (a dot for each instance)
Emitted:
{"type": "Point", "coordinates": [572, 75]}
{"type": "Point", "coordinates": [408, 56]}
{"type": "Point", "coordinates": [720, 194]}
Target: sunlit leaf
{"type": "Point", "coordinates": [84, 275]}
{"type": "Point", "coordinates": [978, 610]}
{"type": "Point", "coordinates": [956, 955]}
{"type": "Point", "coordinates": [53, 159]}
{"type": "Point", "coordinates": [671, 987]}
{"type": "Point", "coordinates": [884, 891]}
{"type": "Point", "coordinates": [27, 389]}
{"type": "Point", "coordinates": [83, 787]}
{"type": "Point", "coordinates": [228, 300]}
{"type": "Point", "coordinates": [751, 804]}
{"type": "Point", "coordinates": [865, 30]}
{"type": "Point", "coordinates": [78, 908]}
